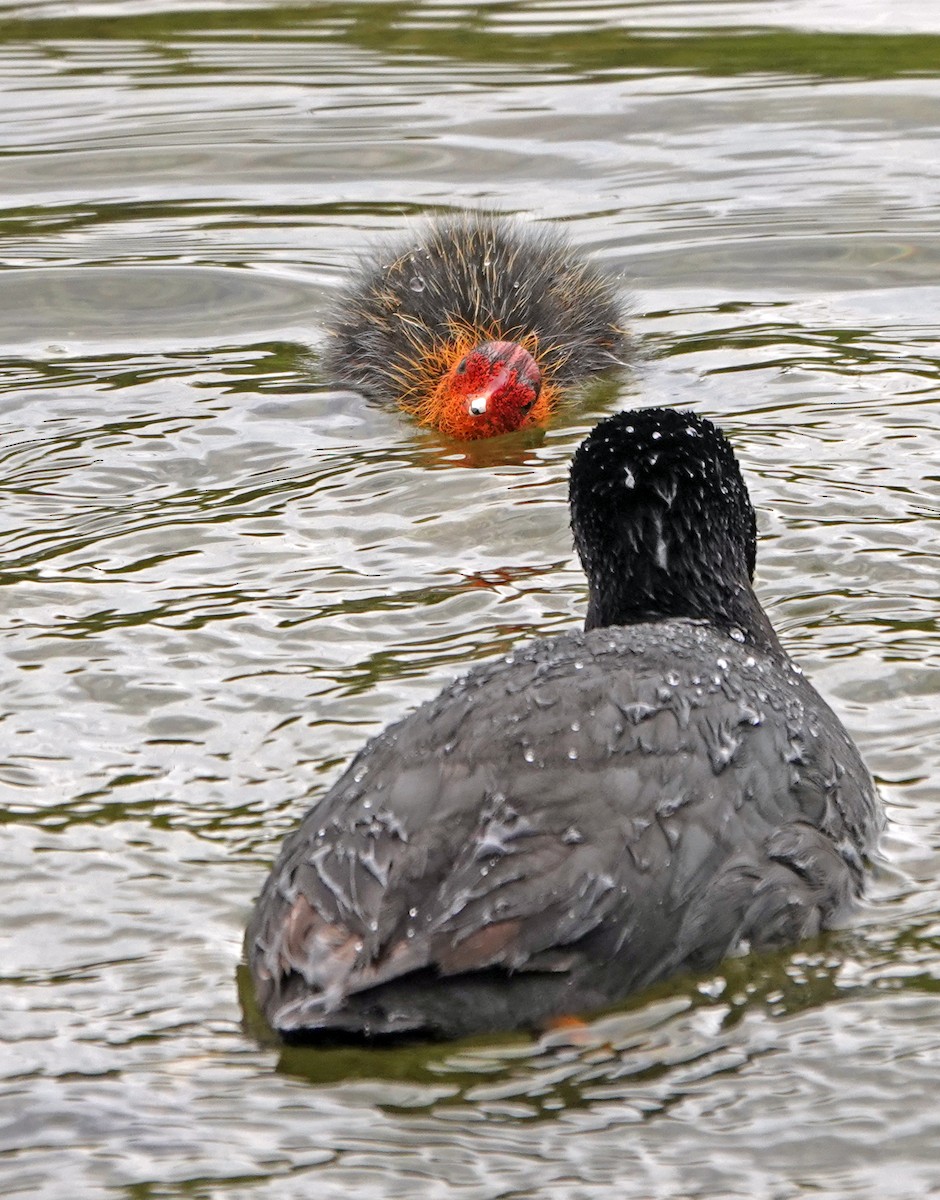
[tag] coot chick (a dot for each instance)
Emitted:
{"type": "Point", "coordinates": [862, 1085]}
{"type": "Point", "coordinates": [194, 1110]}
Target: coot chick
{"type": "Point", "coordinates": [593, 812]}
{"type": "Point", "coordinates": [476, 326]}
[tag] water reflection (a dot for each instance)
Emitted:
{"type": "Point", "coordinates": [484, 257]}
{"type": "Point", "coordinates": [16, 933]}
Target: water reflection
{"type": "Point", "coordinates": [686, 1021]}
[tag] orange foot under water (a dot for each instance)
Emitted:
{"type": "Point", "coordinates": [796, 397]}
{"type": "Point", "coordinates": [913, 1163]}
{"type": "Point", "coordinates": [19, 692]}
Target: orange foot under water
{"type": "Point", "coordinates": [473, 390]}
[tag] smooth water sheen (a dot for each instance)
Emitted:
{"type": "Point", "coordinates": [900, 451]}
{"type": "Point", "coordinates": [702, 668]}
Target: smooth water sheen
{"type": "Point", "coordinates": [219, 577]}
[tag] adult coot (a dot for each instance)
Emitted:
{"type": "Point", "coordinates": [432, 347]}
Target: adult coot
{"type": "Point", "coordinates": [476, 325]}
{"type": "Point", "coordinates": [592, 812]}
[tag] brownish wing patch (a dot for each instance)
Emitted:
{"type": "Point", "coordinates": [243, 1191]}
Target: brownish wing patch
{"type": "Point", "coordinates": [480, 949]}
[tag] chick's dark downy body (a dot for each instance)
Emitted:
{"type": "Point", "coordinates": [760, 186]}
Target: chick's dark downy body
{"type": "Point", "coordinates": [421, 306]}
{"type": "Point", "coordinates": [592, 813]}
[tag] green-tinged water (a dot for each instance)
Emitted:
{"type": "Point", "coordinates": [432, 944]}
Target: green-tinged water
{"type": "Point", "coordinates": [218, 578]}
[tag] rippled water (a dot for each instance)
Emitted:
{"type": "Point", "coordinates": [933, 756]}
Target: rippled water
{"type": "Point", "coordinates": [219, 577]}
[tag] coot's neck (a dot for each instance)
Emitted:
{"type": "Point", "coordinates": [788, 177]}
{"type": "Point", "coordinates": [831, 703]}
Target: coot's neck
{"type": "Point", "coordinates": [631, 591]}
